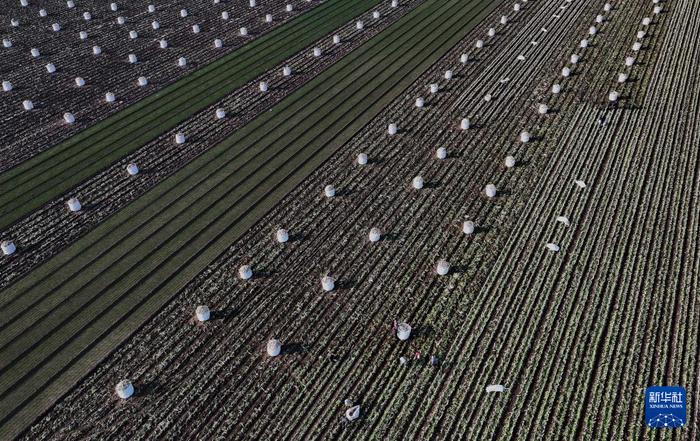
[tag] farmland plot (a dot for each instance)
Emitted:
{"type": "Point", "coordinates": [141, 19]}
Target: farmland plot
{"type": "Point", "coordinates": [89, 310]}
{"type": "Point", "coordinates": [52, 228]}
{"type": "Point", "coordinates": [495, 318]}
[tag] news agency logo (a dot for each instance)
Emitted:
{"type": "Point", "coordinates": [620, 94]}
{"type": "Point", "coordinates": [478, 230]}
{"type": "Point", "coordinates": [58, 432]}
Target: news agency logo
{"type": "Point", "coordinates": [665, 407]}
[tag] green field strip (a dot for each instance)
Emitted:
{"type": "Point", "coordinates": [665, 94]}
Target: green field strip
{"type": "Point", "coordinates": [227, 224]}
{"type": "Point", "coordinates": [54, 171]}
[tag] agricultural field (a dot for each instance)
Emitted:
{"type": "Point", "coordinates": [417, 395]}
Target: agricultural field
{"type": "Point", "coordinates": [459, 219]}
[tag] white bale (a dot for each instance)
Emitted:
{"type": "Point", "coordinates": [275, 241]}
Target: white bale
{"type": "Point", "coordinates": [196, 29]}
{"type": "Point", "coordinates": [420, 102]}
{"type": "Point", "coordinates": [179, 138]}
{"type": "Point", "coordinates": [580, 183]}
{"type": "Point", "coordinates": [282, 235]}
{"type": "Point", "coordinates": [403, 331]}
{"type": "Point", "coordinates": [516, 7]}
{"type": "Point", "coordinates": [362, 159]}
{"type": "Point", "coordinates": [564, 220]}
{"type": "Point", "coordinates": [83, 35]}
{"type": "Point", "coordinates": [599, 19]}
{"type": "Point", "coordinates": [287, 71]}
{"type": "Point", "coordinates": [121, 20]}
{"type": "Point", "coordinates": [35, 53]}
{"type": "Point", "coordinates": [329, 191]}
{"type": "Point", "coordinates": [79, 81]}
{"type": "Point", "coordinates": [525, 137]}
{"type": "Point", "coordinates": [317, 52]}
{"type": "Point", "coordinates": [14, 22]}
{"type": "Point", "coordinates": [155, 24]}
{"type": "Point", "coordinates": [220, 113]}
{"type": "Point", "coordinates": [328, 283]}
{"type": "Point", "coordinates": [434, 88]}
{"type": "Point", "coordinates": [448, 75]}
{"type": "Point", "coordinates": [263, 86]}
{"type": "Point", "coordinates": [56, 27]}
{"type": "Point", "coordinates": [574, 58]}
{"type": "Point", "coordinates": [124, 389]}
{"type": "Point", "coordinates": [133, 35]}
{"type": "Point", "coordinates": [592, 30]}
{"type": "Point", "coordinates": [142, 81]}
{"type": "Point", "coordinates": [274, 347]}
{"type": "Point", "coordinates": [182, 62]}
{"type": "Point", "coordinates": [490, 191]}
{"type": "Point", "coordinates": [629, 61]}
{"type": "Point", "coordinates": [243, 31]}
{"type": "Point", "coordinates": [359, 25]}
{"type": "Point", "coordinates": [50, 68]}
{"type": "Point", "coordinates": [24, 3]}
{"type": "Point", "coordinates": [252, 3]}
{"type": "Point", "coordinates": [336, 39]}
{"type": "Point", "coordinates": [646, 21]}
{"type": "Point", "coordinates": [96, 50]}
{"type": "Point", "coordinates": [441, 153]}
{"type": "Point", "coordinates": [565, 72]}
{"type": "Point", "coordinates": [133, 58]}
{"type": "Point", "coordinates": [151, 9]}
{"type": "Point", "coordinates": [43, 13]}
{"type": "Point", "coordinates": [584, 43]}
{"type": "Point", "coordinates": [74, 205]}
{"type": "Point", "coordinates": [183, 13]}
{"type": "Point", "coordinates": [510, 162]}
{"type": "Point", "coordinates": [392, 129]}
{"type": "Point", "coordinates": [87, 16]}
{"type": "Point", "coordinates": [479, 44]}
{"type": "Point", "coordinates": [245, 272]}
{"type": "Point", "coordinates": [114, 7]}
{"type": "Point", "coordinates": [504, 20]}
{"type": "Point", "coordinates": [607, 7]}
{"type": "Point", "coordinates": [375, 234]}
{"type": "Point", "coordinates": [353, 413]}
{"type": "Point", "coordinates": [376, 15]}
{"type": "Point", "coordinates": [495, 388]}
{"type": "Point", "coordinates": [613, 96]}
{"type": "Point", "coordinates": [468, 227]}
{"type": "Point", "coordinates": [622, 77]}
{"type": "Point", "coordinates": [465, 124]}
{"type": "Point", "coordinates": [491, 32]}
{"type": "Point", "coordinates": [542, 109]}
{"type": "Point", "coordinates": [289, 7]}
{"type": "Point", "coordinates": [394, 3]}
{"type": "Point", "coordinates": [442, 268]}
{"type": "Point", "coordinates": [8, 247]}
{"type": "Point", "coordinates": [28, 105]}
{"type": "Point", "coordinates": [268, 18]}
{"type": "Point", "coordinates": [224, 15]}
{"type": "Point", "coordinates": [554, 248]}
{"type": "Point", "coordinates": [202, 313]}
{"type": "Point", "coordinates": [417, 182]}
{"type": "Point", "coordinates": [641, 34]}
{"type": "Point", "coordinates": [464, 58]}
{"type": "Point", "coordinates": [68, 118]}
{"type": "Point", "coordinates": [132, 169]}
{"type": "Point", "coordinates": [218, 43]}
{"type": "Point", "coordinates": [636, 46]}
{"type": "Point", "coordinates": [657, 9]}
{"type": "Point", "coordinates": [6, 86]}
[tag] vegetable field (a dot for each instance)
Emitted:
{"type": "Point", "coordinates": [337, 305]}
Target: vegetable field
{"type": "Point", "coordinates": [518, 182]}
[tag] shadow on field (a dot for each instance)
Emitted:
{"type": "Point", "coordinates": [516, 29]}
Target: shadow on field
{"type": "Point", "coordinates": [148, 388]}
{"type": "Point", "coordinates": [224, 314]}
{"type": "Point", "coordinates": [294, 348]}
